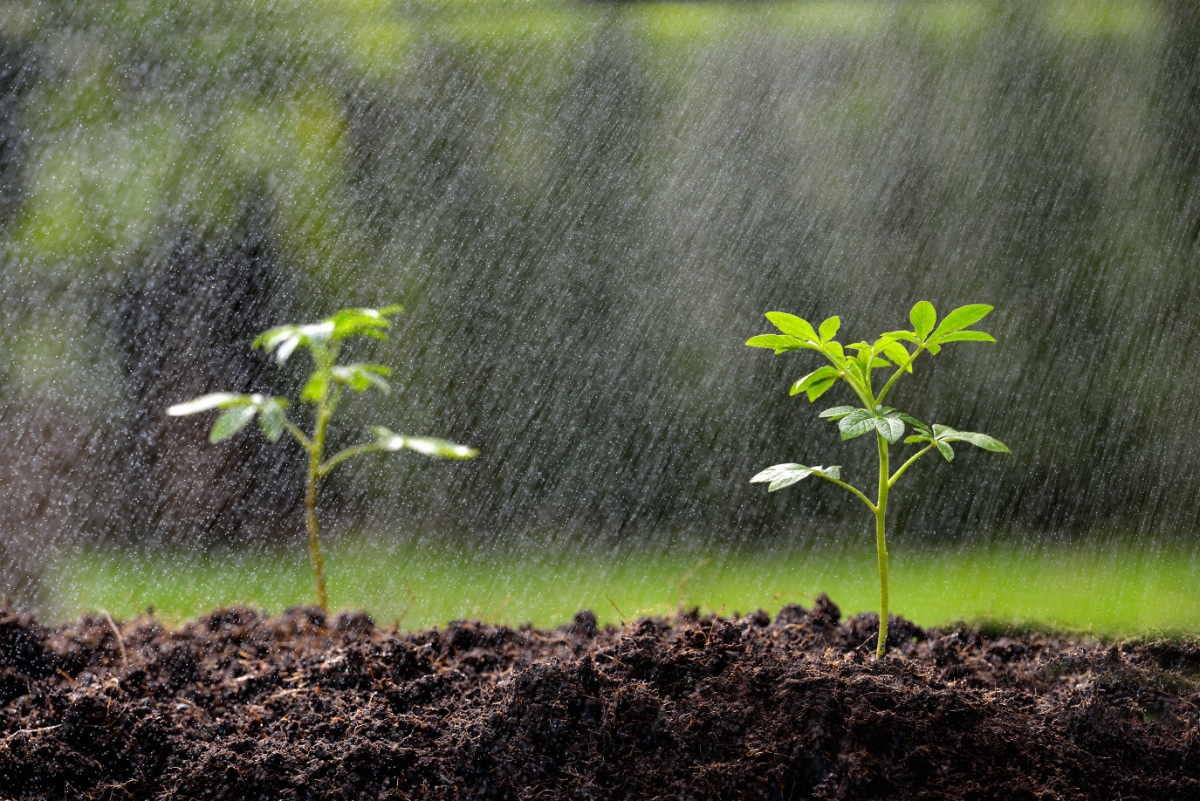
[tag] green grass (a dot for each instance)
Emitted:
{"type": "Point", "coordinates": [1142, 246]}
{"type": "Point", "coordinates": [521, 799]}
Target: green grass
{"type": "Point", "coordinates": [1108, 589]}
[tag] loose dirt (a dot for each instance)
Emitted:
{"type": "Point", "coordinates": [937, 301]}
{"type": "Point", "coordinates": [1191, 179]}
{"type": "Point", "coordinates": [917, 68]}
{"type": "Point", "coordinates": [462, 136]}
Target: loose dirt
{"type": "Point", "coordinates": [241, 706]}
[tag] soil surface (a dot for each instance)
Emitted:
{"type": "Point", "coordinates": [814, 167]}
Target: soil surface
{"type": "Point", "coordinates": [241, 706]}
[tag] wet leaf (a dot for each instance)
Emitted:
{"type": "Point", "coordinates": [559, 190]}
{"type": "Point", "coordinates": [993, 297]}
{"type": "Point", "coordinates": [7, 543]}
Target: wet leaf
{"type": "Point", "coordinates": [829, 328]}
{"type": "Point", "coordinates": [429, 446]}
{"type": "Point", "coordinates": [780, 343]}
{"type": "Point", "coordinates": [966, 336]}
{"type": "Point", "coordinates": [923, 317]}
{"type": "Point", "coordinates": [820, 375]}
{"type": "Point", "coordinates": [270, 418]}
{"type": "Point", "coordinates": [838, 412]}
{"type": "Point", "coordinates": [792, 325]}
{"type": "Point", "coordinates": [215, 400]}
{"type": "Point", "coordinates": [960, 318]}
{"type": "Point", "coordinates": [231, 422]}
{"type": "Point", "coordinates": [784, 475]}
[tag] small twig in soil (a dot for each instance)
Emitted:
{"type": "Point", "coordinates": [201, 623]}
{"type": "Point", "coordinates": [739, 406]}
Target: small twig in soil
{"type": "Point", "coordinates": [120, 640]}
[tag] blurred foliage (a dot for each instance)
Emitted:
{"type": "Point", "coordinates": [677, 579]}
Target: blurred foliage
{"type": "Point", "coordinates": [587, 206]}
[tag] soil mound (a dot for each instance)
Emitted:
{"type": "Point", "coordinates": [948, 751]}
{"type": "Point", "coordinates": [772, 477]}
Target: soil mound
{"type": "Point", "coordinates": [241, 706]}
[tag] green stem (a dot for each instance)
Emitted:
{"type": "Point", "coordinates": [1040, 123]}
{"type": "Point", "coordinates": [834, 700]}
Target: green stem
{"type": "Point", "coordinates": [849, 487]}
{"type": "Point", "coordinates": [298, 434]}
{"type": "Point", "coordinates": [314, 534]}
{"type": "Point", "coordinates": [899, 370]}
{"type": "Point", "coordinates": [881, 543]}
{"type": "Point", "coordinates": [346, 453]}
{"type": "Point", "coordinates": [316, 450]}
{"type": "Point", "coordinates": [895, 476]}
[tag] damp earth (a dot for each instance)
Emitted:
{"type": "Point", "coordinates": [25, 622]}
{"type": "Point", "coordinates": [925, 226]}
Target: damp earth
{"type": "Point", "coordinates": [239, 705]}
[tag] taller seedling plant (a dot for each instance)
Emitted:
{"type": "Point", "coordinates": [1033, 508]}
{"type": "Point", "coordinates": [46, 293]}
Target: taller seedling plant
{"type": "Point", "coordinates": [324, 391]}
{"type": "Point", "coordinates": [891, 351]}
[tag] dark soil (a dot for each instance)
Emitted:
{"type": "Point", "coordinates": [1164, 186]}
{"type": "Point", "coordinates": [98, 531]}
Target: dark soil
{"type": "Point", "coordinates": [241, 706]}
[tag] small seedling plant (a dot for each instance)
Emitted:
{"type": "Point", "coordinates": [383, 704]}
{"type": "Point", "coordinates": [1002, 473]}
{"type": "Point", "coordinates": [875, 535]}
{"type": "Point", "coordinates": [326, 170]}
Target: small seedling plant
{"type": "Point", "coordinates": [894, 352]}
{"type": "Point", "coordinates": [326, 388]}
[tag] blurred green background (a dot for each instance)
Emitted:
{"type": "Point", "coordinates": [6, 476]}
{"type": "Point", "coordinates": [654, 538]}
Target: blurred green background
{"type": "Point", "coordinates": [586, 208]}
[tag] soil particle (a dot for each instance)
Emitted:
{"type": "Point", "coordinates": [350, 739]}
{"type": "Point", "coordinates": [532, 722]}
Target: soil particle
{"type": "Point", "coordinates": [237, 705]}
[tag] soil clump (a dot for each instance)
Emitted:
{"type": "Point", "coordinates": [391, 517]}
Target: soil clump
{"type": "Point", "coordinates": [238, 705]}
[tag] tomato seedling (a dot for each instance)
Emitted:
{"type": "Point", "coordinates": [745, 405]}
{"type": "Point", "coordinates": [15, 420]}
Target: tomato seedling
{"type": "Point", "coordinates": [891, 351]}
{"type": "Point", "coordinates": [324, 391]}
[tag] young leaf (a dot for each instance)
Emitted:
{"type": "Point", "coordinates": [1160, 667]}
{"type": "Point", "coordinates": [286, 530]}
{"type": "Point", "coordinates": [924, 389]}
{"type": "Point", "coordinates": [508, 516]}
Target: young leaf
{"type": "Point", "coordinates": [820, 388]}
{"type": "Point", "coordinates": [923, 317]}
{"type": "Point", "coordinates": [890, 428]}
{"type": "Point", "coordinates": [857, 423]}
{"type": "Point", "coordinates": [780, 343]}
{"type": "Point", "coordinates": [907, 336]}
{"type": "Point", "coordinates": [792, 325]}
{"type": "Point", "coordinates": [784, 475]}
{"type": "Point", "coordinates": [829, 328]}
{"type": "Point", "coordinates": [271, 418]}
{"type": "Point", "coordinates": [960, 318]}
{"type": "Point", "coordinates": [966, 336]}
{"type": "Point", "coordinates": [231, 422]}
{"type": "Point", "coordinates": [835, 352]}
{"type": "Point", "coordinates": [316, 389]}
{"type": "Point", "coordinates": [430, 446]}
{"type": "Point", "coordinates": [361, 322]}
{"type": "Point", "coordinates": [215, 400]}
{"type": "Point", "coordinates": [898, 354]}
{"type": "Point", "coordinates": [946, 451]}
{"type": "Point", "coordinates": [978, 440]}
{"type": "Point", "coordinates": [817, 376]}
{"type": "Point", "coordinates": [838, 412]}
{"type": "Point", "coordinates": [360, 377]}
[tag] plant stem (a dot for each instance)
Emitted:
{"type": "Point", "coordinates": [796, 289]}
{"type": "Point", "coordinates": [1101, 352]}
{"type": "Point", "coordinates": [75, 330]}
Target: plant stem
{"type": "Point", "coordinates": [881, 543]}
{"type": "Point", "coordinates": [316, 451]}
{"type": "Point", "coordinates": [314, 536]}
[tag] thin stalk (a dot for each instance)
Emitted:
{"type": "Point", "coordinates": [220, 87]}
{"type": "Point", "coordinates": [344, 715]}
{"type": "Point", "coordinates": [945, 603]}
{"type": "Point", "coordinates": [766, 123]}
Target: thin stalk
{"type": "Point", "coordinates": [896, 476]}
{"type": "Point", "coordinates": [881, 543]}
{"type": "Point", "coordinates": [314, 535]}
{"type": "Point", "coordinates": [346, 453]}
{"type": "Point", "coordinates": [899, 371]}
{"type": "Point", "coordinates": [315, 452]}
{"type": "Point", "coordinates": [849, 487]}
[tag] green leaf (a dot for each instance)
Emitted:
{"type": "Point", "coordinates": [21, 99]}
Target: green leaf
{"type": "Point", "coordinates": [231, 422]}
{"type": "Point", "coordinates": [784, 475]}
{"type": "Point", "coordinates": [838, 412]}
{"type": "Point", "coordinates": [429, 446]}
{"type": "Point", "coordinates": [270, 418]}
{"type": "Point", "coordinates": [978, 440]}
{"type": "Point", "coordinates": [815, 377]}
{"type": "Point", "coordinates": [898, 354]}
{"type": "Point", "coordinates": [923, 317]}
{"type": "Point", "coordinates": [855, 370]}
{"type": "Point", "coordinates": [946, 451]}
{"type": "Point", "coordinates": [793, 326]}
{"type": "Point", "coordinates": [835, 352]}
{"type": "Point", "coordinates": [316, 388]}
{"type": "Point", "coordinates": [829, 328]}
{"type": "Point", "coordinates": [215, 400]}
{"type": "Point", "coordinates": [857, 423]}
{"type": "Point", "coordinates": [967, 336]}
{"type": "Point", "coordinates": [915, 423]}
{"type": "Point", "coordinates": [361, 322]}
{"type": "Point", "coordinates": [916, 438]}
{"type": "Point", "coordinates": [361, 377]}
{"type": "Point", "coordinates": [780, 343]}
{"type": "Point", "coordinates": [878, 362]}
{"type": "Point", "coordinates": [907, 336]}
{"type": "Point", "coordinates": [890, 428]}
{"type": "Point", "coordinates": [819, 389]}
{"type": "Point", "coordinates": [960, 318]}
